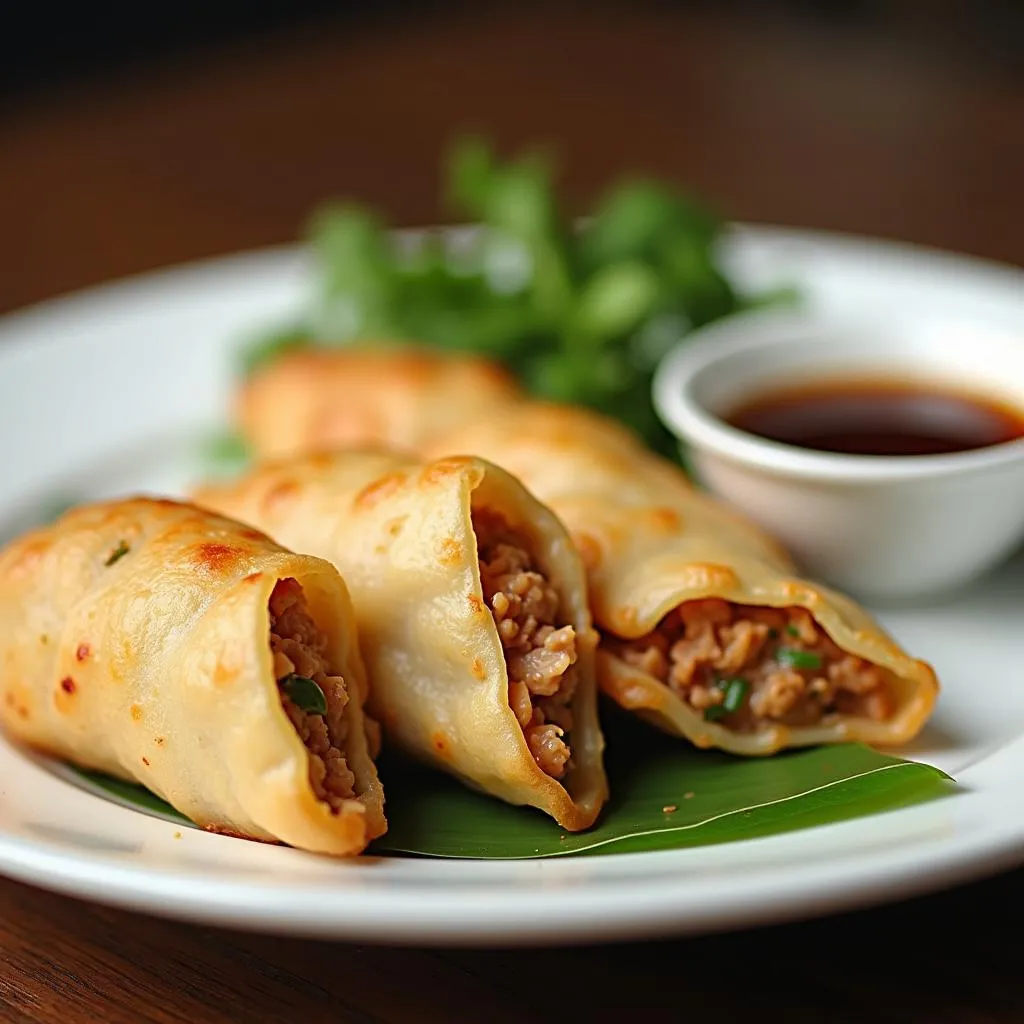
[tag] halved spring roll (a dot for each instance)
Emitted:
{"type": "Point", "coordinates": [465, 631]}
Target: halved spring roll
{"type": "Point", "coordinates": [706, 630]}
{"type": "Point", "coordinates": [472, 612]}
{"type": "Point", "coordinates": [165, 645]}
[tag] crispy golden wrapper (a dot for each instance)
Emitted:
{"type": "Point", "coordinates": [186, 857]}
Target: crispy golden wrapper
{"type": "Point", "coordinates": [402, 533]}
{"type": "Point", "coordinates": [134, 640]}
{"type": "Point", "coordinates": [291, 405]}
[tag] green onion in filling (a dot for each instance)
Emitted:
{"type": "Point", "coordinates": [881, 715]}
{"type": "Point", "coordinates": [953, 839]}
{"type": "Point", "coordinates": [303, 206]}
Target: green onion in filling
{"type": "Point", "coordinates": [793, 657]}
{"type": "Point", "coordinates": [736, 691]}
{"type": "Point", "coordinates": [305, 694]}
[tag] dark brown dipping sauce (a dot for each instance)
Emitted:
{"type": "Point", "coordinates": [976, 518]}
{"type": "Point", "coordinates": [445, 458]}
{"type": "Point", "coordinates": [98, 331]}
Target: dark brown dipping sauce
{"type": "Point", "coordinates": [879, 417]}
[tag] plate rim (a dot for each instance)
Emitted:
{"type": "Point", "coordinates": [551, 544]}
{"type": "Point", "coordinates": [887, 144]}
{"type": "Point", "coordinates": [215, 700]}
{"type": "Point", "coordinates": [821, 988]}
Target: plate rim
{"type": "Point", "coordinates": [211, 901]}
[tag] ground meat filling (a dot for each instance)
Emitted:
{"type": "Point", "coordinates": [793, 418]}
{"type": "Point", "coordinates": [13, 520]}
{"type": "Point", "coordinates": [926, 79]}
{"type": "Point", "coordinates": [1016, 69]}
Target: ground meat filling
{"type": "Point", "coordinates": [299, 649]}
{"type": "Point", "coordinates": [744, 667]}
{"type": "Point", "coordinates": [539, 650]}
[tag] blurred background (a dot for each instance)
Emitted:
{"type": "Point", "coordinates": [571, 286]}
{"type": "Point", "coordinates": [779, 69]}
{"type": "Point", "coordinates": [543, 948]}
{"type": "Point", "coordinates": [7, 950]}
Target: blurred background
{"type": "Point", "coordinates": [196, 129]}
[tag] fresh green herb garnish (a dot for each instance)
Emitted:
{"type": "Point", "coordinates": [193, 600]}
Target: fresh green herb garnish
{"type": "Point", "coordinates": [773, 633]}
{"type": "Point", "coordinates": [580, 315]}
{"type": "Point", "coordinates": [304, 694]}
{"type": "Point", "coordinates": [793, 657]}
{"type": "Point", "coordinates": [792, 631]}
{"type": "Point", "coordinates": [118, 553]}
{"type": "Point", "coordinates": [715, 712]}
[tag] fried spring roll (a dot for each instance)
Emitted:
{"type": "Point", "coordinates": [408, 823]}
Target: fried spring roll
{"type": "Point", "coordinates": [472, 612]}
{"type": "Point", "coordinates": [165, 645]}
{"type": "Point", "coordinates": [391, 396]}
{"type": "Point", "coordinates": [706, 630]}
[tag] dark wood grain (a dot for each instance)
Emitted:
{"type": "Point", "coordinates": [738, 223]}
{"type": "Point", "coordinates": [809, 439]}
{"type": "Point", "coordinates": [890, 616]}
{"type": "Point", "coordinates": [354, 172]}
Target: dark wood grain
{"type": "Point", "coordinates": [774, 123]}
{"type": "Point", "coordinates": [943, 959]}
{"type": "Point", "coordinates": [773, 120]}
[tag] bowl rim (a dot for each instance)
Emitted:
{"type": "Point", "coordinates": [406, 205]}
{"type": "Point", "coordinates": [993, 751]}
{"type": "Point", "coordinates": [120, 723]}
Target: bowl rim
{"type": "Point", "coordinates": [693, 424]}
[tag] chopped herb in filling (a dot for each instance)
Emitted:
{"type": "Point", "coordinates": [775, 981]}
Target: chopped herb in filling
{"type": "Point", "coordinates": [743, 666]}
{"type": "Point", "coordinates": [304, 693]}
{"type": "Point", "coordinates": [312, 696]}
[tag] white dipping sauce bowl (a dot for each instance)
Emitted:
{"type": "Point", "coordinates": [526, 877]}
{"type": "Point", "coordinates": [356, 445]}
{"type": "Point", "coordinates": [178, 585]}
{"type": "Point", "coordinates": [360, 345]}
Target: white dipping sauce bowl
{"type": "Point", "coordinates": [888, 527]}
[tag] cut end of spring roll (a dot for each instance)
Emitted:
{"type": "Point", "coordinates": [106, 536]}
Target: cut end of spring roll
{"type": "Point", "coordinates": [291, 405]}
{"type": "Point", "coordinates": [472, 612]}
{"type": "Point", "coordinates": [757, 678]}
{"type": "Point", "coordinates": [161, 644]}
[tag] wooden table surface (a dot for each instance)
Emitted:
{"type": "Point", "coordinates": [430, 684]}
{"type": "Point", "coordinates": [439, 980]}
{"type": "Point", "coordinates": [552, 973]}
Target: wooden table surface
{"type": "Point", "coordinates": [774, 121]}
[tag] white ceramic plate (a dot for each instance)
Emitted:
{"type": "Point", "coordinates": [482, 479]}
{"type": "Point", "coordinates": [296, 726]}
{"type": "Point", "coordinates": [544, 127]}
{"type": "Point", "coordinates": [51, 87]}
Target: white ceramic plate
{"type": "Point", "coordinates": [110, 391]}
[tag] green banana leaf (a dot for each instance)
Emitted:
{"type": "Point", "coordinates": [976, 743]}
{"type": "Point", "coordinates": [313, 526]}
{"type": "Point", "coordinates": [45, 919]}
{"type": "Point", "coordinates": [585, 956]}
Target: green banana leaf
{"type": "Point", "coordinates": [665, 795]}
